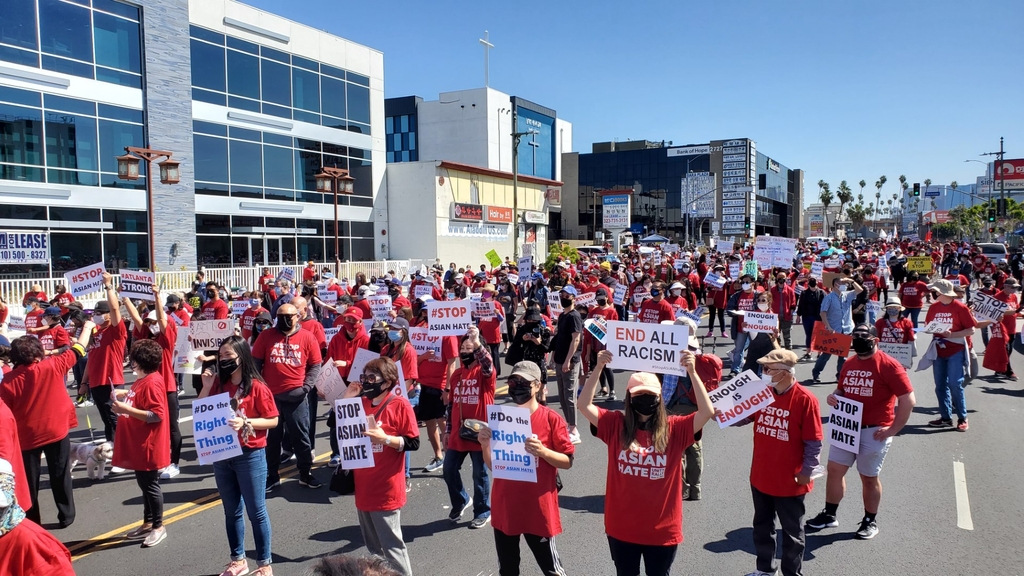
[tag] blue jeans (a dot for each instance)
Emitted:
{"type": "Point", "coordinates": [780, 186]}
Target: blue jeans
{"type": "Point", "coordinates": [822, 360]}
{"type": "Point", "coordinates": [949, 385]}
{"type": "Point", "coordinates": [913, 313]}
{"type": "Point", "coordinates": [244, 479]}
{"type": "Point", "coordinates": [736, 355]}
{"type": "Point", "coordinates": [453, 460]}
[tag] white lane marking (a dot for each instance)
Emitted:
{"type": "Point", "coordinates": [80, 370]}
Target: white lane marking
{"type": "Point", "coordinates": [184, 419]}
{"type": "Point", "coordinates": [963, 505]}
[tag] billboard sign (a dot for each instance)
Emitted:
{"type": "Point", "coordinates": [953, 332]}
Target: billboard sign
{"type": "Point", "coordinates": [689, 151]}
{"type": "Point", "coordinates": [467, 212]}
{"type": "Point", "coordinates": [24, 247]}
{"type": "Point", "coordinates": [1009, 175]}
{"type": "Point", "coordinates": [616, 211]}
{"type": "Point", "coordinates": [817, 225]}
{"type": "Point", "coordinates": [498, 215]}
{"type": "Point", "coordinates": [697, 195]}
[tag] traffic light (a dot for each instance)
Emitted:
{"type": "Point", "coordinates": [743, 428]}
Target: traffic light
{"type": "Point", "coordinates": [917, 189]}
{"type": "Point", "coordinates": [992, 230]}
{"type": "Point", "coordinates": [746, 223]}
{"type": "Point", "coordinates": [991, 216]}
{"type": "Point", "coordinates": [1001, 207]}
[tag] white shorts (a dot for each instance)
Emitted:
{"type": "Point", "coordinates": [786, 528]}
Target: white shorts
{"type": "Point", "coordinates": [869, 459]}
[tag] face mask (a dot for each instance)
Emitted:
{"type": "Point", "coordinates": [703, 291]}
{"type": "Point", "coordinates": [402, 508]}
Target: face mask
{"type": "Point", "coordinates": [842, 287]}
{"type": "Point", "coordinates": [676, 292]}
{"type": "Point", "coordinates": [602, 301]}
{"type": "Point", "coordinates": [154, 329]}
{"type": "Point", "coordinates": [394, 335]}
{"type": "Point", "coordinates": [745, 286]}
{"type": "Point", "coordinates": [285, 323]}
{"type": "Point", "coordinates": [372, 390]}
{"type": "Point", "coordinates": [257, 328]}
{"type": "Point", "coordinates": [644, 404]}
{"type": "Point", "coordinates": [485, 296]}
{"type": "Point", "coordinates": [894, 312]}
{"type": "Point", "coordinates": [254, 303]}
{"type": "Point", "coordinates": [467, 358]}
{"type": "Point", "coordinates": [225, 368]}
{"type": "Point", "coordinates": [863, 346]}
{"type": "Point", "coordinates": [655, 293]}
{"type": "Point", "coordinates": [566, 303]}
{"type": "Point", "coordinates": [211, 293]}
{"type": "Point", "coordinates": [520, 394]}
{"type": "Point", "coordinates": [28, 309]}
{"type": "Point", "coordinates": [762, 306]}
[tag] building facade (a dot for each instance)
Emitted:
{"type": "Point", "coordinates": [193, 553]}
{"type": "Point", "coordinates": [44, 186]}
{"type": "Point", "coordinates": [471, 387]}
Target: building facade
{"type": "Point", "coordinates": [250, 103]}
{"type": "Point", "coordinates": [726, 188]}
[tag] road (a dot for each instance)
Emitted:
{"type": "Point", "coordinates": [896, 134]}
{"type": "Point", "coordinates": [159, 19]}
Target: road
{"type": "Point", "coordinates": [922, 518]}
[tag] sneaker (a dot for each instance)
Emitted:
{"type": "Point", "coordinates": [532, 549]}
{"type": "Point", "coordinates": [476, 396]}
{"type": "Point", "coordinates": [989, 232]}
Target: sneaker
{"type": "Point", "coordinates": [169, 472]}
{"type": "Point", "coordinates": [434, 465]}
{"type": "Point", "coordinates": [335, 461]}
{"type": "Point", "coordinates": [692, 494]}
{"type": "Point", "coordinates": [815, 377]}
{"type": "Point", "coordinates": [139, 533]}
{"type": "Point", "coordinates": [723, 334]}
{"type": "Point", "coordinates": [264, 571]}
{"type": "Point", "coordinates": [155, 537]}
{"type": "Point", "coordinates": [116, 470]}
{"type": "Point", "coordinates": [1011, 375]}
{"type": "Point", "coordinates": [941, 423]}
{"type": "Point", "coordinates": [806, 356]}
{"type": "Point", "coordinates": [456, 515]}
{"type": "Point", "coordinates": [823, 520]}
{"type": "Point", "coordinates": [309, 481]}
{"type": "Point", "coordinates": [867, 531]}
{"type": "Point", "coordinates": [574, 437]}
{"type": "Point", "coordinates": [271, 486]}
{"type": "Point", "coordinates": [711, 334]}
{"type": "Point", "coordinates": [478, 523]}
{"type": "Point", "coordinates": [611, 397]}
{"type": "Point", "coordinates": [601, 394]}
{"type": "Point", "coordinates": [287, 457]}
{"type": "Point", "coordinates": [759, 573]}
{"type": "Point", "coordinates": [408, 485]}
{"type": "Point", "coordinates": [961, 425]}
{"type": "Point", "coordinates": [236, 568]}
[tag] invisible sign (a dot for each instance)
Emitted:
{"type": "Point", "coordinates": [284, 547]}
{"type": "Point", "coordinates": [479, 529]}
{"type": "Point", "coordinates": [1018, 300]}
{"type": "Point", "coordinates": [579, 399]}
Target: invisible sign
{"type": "Point", "coordinates": [510, 429]}
{"type": "Point", "coordinates": [214, 438]}
{"type": "Point", "coordinates": [208, 334]}
{"type": "Point", "coordinates": [647, 347]}
{"type": "Point", "coordinates": [740, 397]}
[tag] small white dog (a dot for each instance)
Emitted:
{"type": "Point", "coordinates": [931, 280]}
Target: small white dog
{"type": "Point", "coordinates": [95, 457]}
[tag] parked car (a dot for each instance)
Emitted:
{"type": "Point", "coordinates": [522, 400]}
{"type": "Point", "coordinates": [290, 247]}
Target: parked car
{"type": "Point", "coordinates": [591, 250]}
{"type": "Point", "coordinates": [994, 251]}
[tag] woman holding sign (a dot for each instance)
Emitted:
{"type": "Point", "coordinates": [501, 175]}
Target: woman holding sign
{"type": "Point", "coordinates": [243, 478]}
{"type": "Point", "coordinates": [644, 493]}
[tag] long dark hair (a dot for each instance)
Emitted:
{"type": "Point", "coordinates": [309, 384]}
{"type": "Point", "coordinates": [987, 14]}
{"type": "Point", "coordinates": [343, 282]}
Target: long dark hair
{"type": "Point", "coordinates": [249, 372]}
{"type": "Point", "coordinates": [396, 350]}
{"type": "Point", "coordinates": [657, 425]}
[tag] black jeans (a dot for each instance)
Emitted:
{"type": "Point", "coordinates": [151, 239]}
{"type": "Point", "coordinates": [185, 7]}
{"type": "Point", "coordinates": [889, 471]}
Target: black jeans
{"type": "Point", "coordinates": [101, 396]}
{"type": "Point", "coordinates": [543, 550]}
{"type": "Point", "coordinates": [152, 497]}
{"type": "Point", "coordinates": [295, 417]}
{"type": "Point", "coordinates": [711, 320]}
{"type": "Point", "coordinates": [313, 401]}
{"type": "Point", "coordinates": [791, 516]}
{"type": "Point", "coordinates": [626, 556]}
{"type": "Point", "coordinates": [173, 411]}
{"type": "Point", "coordinates": [495, 348]}
{"type": "Point", "coordinates": [58, 465]}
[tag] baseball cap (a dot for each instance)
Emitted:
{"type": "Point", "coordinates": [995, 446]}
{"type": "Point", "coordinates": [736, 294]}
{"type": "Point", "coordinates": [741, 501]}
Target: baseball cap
{"type": "Point", "coordinates": [787, 357]}
{"type": "Point", "coordinates": [151, 315]}
{"type": "Point", "coordinates": [864, 329]}
{"type": "Point", "coordinates": [353, 312]}
{"type": "Point", "coordinates": [398, 323]}
{"type": "Point", "coordinates": [569, 290]}
{"type": "Point", "coordinates": [101, 307]}
{"type": "Point", "coordinates": [643, 382]}
{"type": "Point", "coordinates": [528, 370]}
{"type": "Point", "coordinates": [52, 311]}
{"type": "Point", "coordinates": [173, 299]}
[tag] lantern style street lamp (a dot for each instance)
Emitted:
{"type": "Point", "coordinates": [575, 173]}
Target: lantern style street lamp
{"type": "Point", "coordinates": [335, 181]}
{"type": "Point", "coordinates": [170, 173]}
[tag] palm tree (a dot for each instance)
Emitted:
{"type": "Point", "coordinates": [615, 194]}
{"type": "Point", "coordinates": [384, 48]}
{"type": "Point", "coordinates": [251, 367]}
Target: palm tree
{"type": "Point", "coordinates": [862, 185]}
{"type": "Point", "coordinates": [844, 195]}
{"type": "Point", "coordinates": [826, 199]}
{"type": "Point", "coordinates": [927, 183]}
{"type": "Point", "coordinates": [903, 182]}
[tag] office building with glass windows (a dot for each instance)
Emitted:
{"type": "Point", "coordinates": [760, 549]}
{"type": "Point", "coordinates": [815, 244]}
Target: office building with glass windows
{"type": "Point", "coordinates": [251, 104]}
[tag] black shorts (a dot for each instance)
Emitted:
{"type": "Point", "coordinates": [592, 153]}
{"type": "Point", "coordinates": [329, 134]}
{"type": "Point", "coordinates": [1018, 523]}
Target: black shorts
{"type": "Point", "coordinates": [431, 403]}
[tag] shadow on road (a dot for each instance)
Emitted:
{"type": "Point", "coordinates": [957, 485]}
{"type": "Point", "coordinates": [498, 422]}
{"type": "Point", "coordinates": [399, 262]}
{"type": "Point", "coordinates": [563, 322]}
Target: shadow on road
{"type": "Point", "coordinates": [739, 540]}
{"type": "Point", "coordinates": [411, 532]}
{"type": "Point", "coordinates": [593, 504]}
{"type": "Point", "coordinates": [1003, 391]}
{"type": "Point", "coordinates": [815, 540]}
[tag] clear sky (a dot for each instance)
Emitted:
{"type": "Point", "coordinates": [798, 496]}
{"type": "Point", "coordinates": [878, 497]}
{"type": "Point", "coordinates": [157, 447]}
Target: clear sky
{"type": "Point", "coordinates": [842, 89]}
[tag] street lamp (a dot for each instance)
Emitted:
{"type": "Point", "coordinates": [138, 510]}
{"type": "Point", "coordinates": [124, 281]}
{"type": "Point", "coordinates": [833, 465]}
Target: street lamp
{"type": "Point", "coordinates": [335, 181]}
{"type": "Point", "coordinates": [516, 136]}
{"type": "Point", "coordinates": [170, 173]}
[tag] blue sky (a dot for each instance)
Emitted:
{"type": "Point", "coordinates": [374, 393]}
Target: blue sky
{"type": "Point", "coordinates": [844, 90]}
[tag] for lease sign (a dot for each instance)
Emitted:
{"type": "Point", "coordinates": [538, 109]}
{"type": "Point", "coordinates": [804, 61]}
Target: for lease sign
{"type": "Point", "coordinates": [24, 247]}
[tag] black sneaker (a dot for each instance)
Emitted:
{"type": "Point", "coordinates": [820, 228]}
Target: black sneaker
{"type": "Point", "coordinates": [271, 486]}
{"type": "Point", "coordinates": [868, 530]}
{"type": "Point", "coordinates": [940, 423]}
{"type": "Point", "coordinates": [456, 514]}
{"type": "Point", "coordinates": [478, 523]}
{"type": "Point", "coordinates": [822, 520]}
{"type": "Point", "coordinates": [309, 481]}
{"type": "Point", "coordinates": [815, 377]}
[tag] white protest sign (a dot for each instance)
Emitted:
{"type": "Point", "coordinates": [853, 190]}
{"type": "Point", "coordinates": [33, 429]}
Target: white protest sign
{"type": "Point", "coordinates": [657, 259]}
{"type": "Point", "coordinates": [422, 290]}
{"type": "Point", "coordinates": [832, 263]}
{"type": "Point", "coordinates": [354, 445]}
{"type": "Point", "coordinates": [903, 353]}
{"type": "Point", "coordinates": [821, 244]}
{"type": "Point", "coordinates": [510, 429]}
{"type": "Point", "coordinates": [214, 438]}
{"type": "Point", "coordinates": [359, 362]}
{"type": "Point", "coordinates": [329, 297]}
{"type": "Point", "coordinates": [757, 322]}
{"type": "Point", "coordinates": [208, 334]}
{"type": "Point", "coordinates": [330, 333]}
{"type": "Point", "coordinates": [85, 281]}
{"type": "Point", "coordinates": [620, 294]}
{"type": "Point", "coordinates": [874, 307]}
{"type": "Point", "coordinates": [286, 274]}
{"type": "Point", "coordinates": [484, 310]}
{"type": "Point", "coordinates": [588, 299]}
{"type": "Point", "coordinates": [741, 397]}
{"type": "Point", "coordinates": [555, 304]}
{"type": "Point", "coordinates": [734, 270]}
{"type": "Point", "coordinates": [647, 347]}
{"type": "Point", "coordinates": [186, 360]}
{"type": "Point", "coordinates": [423, 342]}
{"type": "Point", "coordinates": [695, 315]}
{"type": "Point", "coordinates": [938, 326]}
{"type": "Point", "coordinates": [513, 279]}
{"type": "Point", "coordinates": [986, 307]}
{"type": "Point", "coordinates": [449, 318]}
{"type": "Point", "coordinates": [380, 306]}
{"type": "Point", "coordinates": [137, 285]}
{"type": "Point", "coordinates": [714, 280]}
{"type": "Point", "coordinates": [238, 307]}
{"type": "Point", "coordinates": [329, 382]}
{"type": "Point", "coordinates": [817, 269]}
{"type": "Point", "coordinates": [16, 324]}
{"type": "Point", "coordinates": [844, 424]}
{"type": "Point", "coordinates": [640, 294]}
{"type": "Point", "coordinates": [774, 251]}
{"type": "Point", "coordinates": [670, 248]}
{"type": "Point", "coordinates": [525, 266]}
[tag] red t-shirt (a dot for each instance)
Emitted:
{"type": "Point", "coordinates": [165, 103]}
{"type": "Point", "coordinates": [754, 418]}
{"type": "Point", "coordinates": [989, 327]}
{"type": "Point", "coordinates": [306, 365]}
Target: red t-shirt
{"type": "Point", "coordinates": [142, 446]}
{"type": "Point", "coordinates": [408, 361]}
{"type": "Point", "coordinates": [876, 382]}
{"type": "Point", "coordinates": [106, 356]}
{"type": "Point", "coordinates": [37, 397]}
{"type": "Point", "coordinates": [956, 313]}
{"type": "Point", "coordinates": [167, 340]}
{"type": "Point", "coordinates": [54, 337]}
{"type": "Point", "coordinates": [1009, 322]}
{"type": "Point", "coordinates": [215, 310]}
{"type": "Point", "coordinates": [34, 319]}
{"type": "Point", "coordinates": [747, 302]}
{"type": "Point", "coordinates": [248, 317]}
{"type": "Point", "coordinates": [871, 283]}
{"type": "Point", "coordinates": [63, 300]}
{"type": "Point", "coordinates": [532, 507]}
{"type": "Point", "coordinates": [912, 294]}
{"type": "Point", "coordinates": [608, 312]}
{"type": "Point", "coordinates": [958, 280]}
{"type": "Point", "coordinates": [258, 404]}
{"type": "Point", "coordinates": [30, 549]}
{"type": "Point", "coordinates": [284, 365]}
{"type": "Point", "coordinates": [180, 316]}
{"type": "Point", "coordinates": [470, 392]}
{"type": "Point", "coordinates": [899, 332]}
{"type": "Point", "coordinates": [10, 450]}
{"type": "Point", "coordinates": [779, 434]}
{"type": "Point", "coordinates": [308, 274]}
{"type": "Point", "coordinates": [266, 283]}
{"type": "Point", "coordinates": [644, 489]}
{"type": "Point", "coordinates": [652, 312]}
{"type": "Point", "coordinates": [718, 297]}
{"type": "Point", "coordinates": [314, 327]}
{"type": "Point", "coordinates": [490, 330]}
{"type": "Point", "coordinates": [40, 296]}
{"type": "Point", "coordinates": [432, 373]}
{"type": "Point", "coordinates": [382, 487]}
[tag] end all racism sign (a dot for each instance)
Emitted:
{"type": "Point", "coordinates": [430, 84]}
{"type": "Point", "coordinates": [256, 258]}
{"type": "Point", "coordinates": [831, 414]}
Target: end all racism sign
{"type": "Point", "coordinates": [647, 347]}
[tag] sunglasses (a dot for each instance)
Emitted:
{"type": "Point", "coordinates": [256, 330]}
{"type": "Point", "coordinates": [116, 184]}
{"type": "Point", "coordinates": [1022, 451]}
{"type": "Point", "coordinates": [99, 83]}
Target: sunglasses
{"type": "Point", "coordinates": [517, 381]}
{"type": "Point", "coordinates": [370, 378]}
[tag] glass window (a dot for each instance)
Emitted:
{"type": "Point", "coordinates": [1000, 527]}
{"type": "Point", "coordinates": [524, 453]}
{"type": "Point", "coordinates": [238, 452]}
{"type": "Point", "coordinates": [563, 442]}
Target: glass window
{"type": "Point", "coordinates": [212, 224]}
{"type": "Point", "coordinates": [245, 134]}
{"type": "Point", "coordinates": [213, 250]}
{"type": "Point", "coordinates": [279, 139]}
{"type": "Point", "coordinates": [21, 133]}
{"type": "Point", "coordinates": [71, 141]}
{"type": "Point", "coordinates": [118, 113]}
{"type": "Point", "coordinates": [332, 71]}
{"type": "Point", "coordinates": [69, 251]}
{"type": "Point", "coordinates": [119, 8]}
{"type": "Point", "coordinates": [126, 251]}
{"type": "Point", "coordinates": [389, 125]}
{"type": "Point", "coordinates": [333, 94]}
{"type": "Point", "coordinates": [279, 170]}
{"type": "Point", "coordinates": [69, 105]}
{"type": "Point", "coordinates": [207, 66]}
{"type": "Point", "coordinates": [412, 140]}
{"type": "Point", "coordinates": [126, 220]}
{"type": "Point", "coordinates": [276, 83]}
{"type": "Point", "coordinates": [246, 192]}
{"type": "Point", "coordinates": [403, 121]}
{"type": "Point", "coordinates": [275, 54]}
{"type": "Point", "coordinates": [280, 222]}
{"type": "Point", "coordinates": [19, 212]}
{"type": "Point", "coordinates": [305, 63]}
{"type": "Point", "coordinates": [243, 74]}
{"type": "Point", "coordinates": [65, 66]}
{"type": "Point", "coordinates": [362, 230]}
{"type": "Point", "coordinates": [74, 177]}
{"type": "Point", "coordinates": [117, 43]}
{"type": "Point", "coordinates": [211, 189]}
{"type": "Point", "coordinates": [208, 35]}
{"type": "Point", "coordinates": [21, 173]}
{"type": "Point", "coordinates": [358, 103]}
{"type": "Point", "coordinates": [306, 90]}
{"type": "Point", "coordinates": [18, 26]}
{"type": "Point", "coordinates": [23, 57]}
{"type": "Point", "coordinates": [279, 111]}
{"type": "Point", "coordinates": [362, 250]}
{"type": "Point", "coordinates": [209, 97]}
{"type": "Point", "coordinates": [244, 46]}
{"type": "Point", "coordinates": [209, 128]}
{"type": "Point", "coordinates": [332, 122]}
{"type": "Point", "coordinates": [246, 163]}
{"type": "Point", "coordinates": [114, 136]}
{"type": "Point", "coordinates": [311, 248]}
{"type": "Point", "coordinates": [68, 214]}
{"type": "Point", "coordinates": [211, 157]}
{"type": "Point", "coordinates": [306, 117]}
{"type": "Point", "coordinates": [275, 194]}
{"type": "Point", "coordinates": [359, 79]}
{"type": "Point", "coordinates": [307, 164]}
{"type": "Point", "coordinates": [243, 103]}
{"type": "Point", "coordinates": [65, 30]}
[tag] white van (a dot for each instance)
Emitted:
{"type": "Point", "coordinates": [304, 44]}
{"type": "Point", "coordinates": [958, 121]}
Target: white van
{"type": "Point", "coordinates": [994, 251]}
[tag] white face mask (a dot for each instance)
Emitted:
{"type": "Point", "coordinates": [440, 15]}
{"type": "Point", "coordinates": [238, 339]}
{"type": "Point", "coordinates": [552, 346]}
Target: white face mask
{"type": "Point", "coordinates": [155, 329]}
{"type": "Point", "coordinates": [762, 306]}
{"type": "Point", "coordinates": [894, 312]}
{"type": "Point", "coordinates": [676, 291]}
{"type": "Point", "coordinates": [745, 286]}
{"type": "Point", "coordinates": [842, 287]}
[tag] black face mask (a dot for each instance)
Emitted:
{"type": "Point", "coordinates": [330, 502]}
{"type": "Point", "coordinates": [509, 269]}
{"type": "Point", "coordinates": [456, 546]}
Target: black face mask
{"type": "Point", "coordinates": [655, 293]}
{"type": "Point", "coordinates": [566, 303]}
{"type": "Point", "coordinates": [644, 404]}
{"type": "Point", "coordinates": [602, 301]}
{"type": "Point", "coordinates": [225, 368]}
{"type": "Point", "coordinates": [520, 394]}
{"type": "Point", "coordinates": [285, 323]}
{"type": "Point", "coordinates": [211, 293]}
{"type": "Point", "coordinates": [372, 390]}
{"type": "Point", "coordinates": [467, 358]}
{"type": "Point", "coordinates": [863, 346]}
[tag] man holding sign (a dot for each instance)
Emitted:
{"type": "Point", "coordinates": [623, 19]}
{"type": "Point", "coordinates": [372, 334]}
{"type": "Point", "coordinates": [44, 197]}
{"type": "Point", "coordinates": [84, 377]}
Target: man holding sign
{"type": "Point", "coordinates": [950, 348]}
{"type": "Point", "coordinates": [837, 316]}
{"type": "Point", "coordinates": [878, 382]}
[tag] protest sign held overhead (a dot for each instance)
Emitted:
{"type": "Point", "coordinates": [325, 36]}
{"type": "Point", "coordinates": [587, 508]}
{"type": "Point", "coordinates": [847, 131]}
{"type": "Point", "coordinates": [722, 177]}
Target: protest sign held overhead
{"type": "Point", "coordinates": [380, 306]}
{"type": "Point", "coordinates": [353, 443]}
{"type": "Point", "coordinates": [423, 342]}
{"type": "Point", "coordinates": [286, 274]}
{"type": "Point", "coordinates": [986, 307]}
{"type": "Point", "coordinates": [647, 347]}
{"type": "Point", "coordinates": [714, 280]}
{"type": "Point", "coordinates": [919, 264]}
{"type": "Point", "coordinates": [85, 280]}
{"type": "Point", "coordinates": [214, 438]}
{"type": "Point", "coordinates": [844, 424]}
{"type": "Point", "coordinates": [493, 258]}
{"type": "Point", "coordinates": [484, 310]}
{"type": "Point", "coordinates": [835, 343]}
{"type": "Point", "coordinates": [449, 318]}
{"type": "Point", "coordinates": [510, 429]}
{"type": "Point", "coordinates": [774, 251]}
{"type": "Point", "coordinates": [422, 290]}
{"type": "Point", "coordinates": [734, 270]}
{"type": "Point", "coordinates": [740, 397]}
{"type": "Point", "coordinates": [757, 322]}
{"type": "Point", "coordinates": [817, 269]}
{"type": "Point", "coordinates": [525, 266]}
{"type": "Point", "coordinates": [137, 285]}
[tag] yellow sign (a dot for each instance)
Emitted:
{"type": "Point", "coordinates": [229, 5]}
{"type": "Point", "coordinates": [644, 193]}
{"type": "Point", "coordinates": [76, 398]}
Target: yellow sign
{"type": "Point", "coordinates": [493, 258]}
{"type": "Point", "coordinates": [919, 264]}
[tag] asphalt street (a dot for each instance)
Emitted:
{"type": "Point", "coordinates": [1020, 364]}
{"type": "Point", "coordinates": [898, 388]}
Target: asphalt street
{"type": "Point", "coordinates": [921, 529]}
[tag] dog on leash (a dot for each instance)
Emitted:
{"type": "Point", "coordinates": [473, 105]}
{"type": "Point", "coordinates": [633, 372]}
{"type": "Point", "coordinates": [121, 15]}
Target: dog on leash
{"type": "Point", "coordinates": [95, 457]}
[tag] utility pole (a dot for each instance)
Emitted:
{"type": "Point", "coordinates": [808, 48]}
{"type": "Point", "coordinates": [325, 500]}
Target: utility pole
{"type": "Point", "coordinates": [516, 137]}
{"type": "Point", "coordinates": [487, 54]}
{"type": "Point", "coordinates": [998, 165]}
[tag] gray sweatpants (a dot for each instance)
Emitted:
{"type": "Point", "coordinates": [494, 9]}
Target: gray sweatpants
{"type": "Point", "coordinates": [567, 383]}
{"type": "Point", "coordinates": [382, 532]}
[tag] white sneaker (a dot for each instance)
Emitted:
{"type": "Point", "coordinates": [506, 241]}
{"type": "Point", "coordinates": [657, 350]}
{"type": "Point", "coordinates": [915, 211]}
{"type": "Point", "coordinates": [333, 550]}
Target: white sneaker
{"type": "Point", "coordinates": [574, 437]}
{"type": "Point", "coordinates": [116, 470]}
{"type": "Point", "coordinates": [169, 472]}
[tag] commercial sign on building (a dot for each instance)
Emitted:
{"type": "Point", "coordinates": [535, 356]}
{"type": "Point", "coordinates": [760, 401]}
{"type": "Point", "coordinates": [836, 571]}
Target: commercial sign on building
{"type": "Point", "coordinates": [553, 196]}
{"type": "Point", "coordinates": [689, 151]}
{"type": "Point", "coordinates": [498, 215]}
{"type": "Point", "coordinates": [24, 247]}
{"type": "Point", "coordinates": [1010, 175]}
{"type": "Point", "coordinates": [616, 211]}
{"type": "Point", "coordinates": [534, 217]}
{"type": "Point", "coordinates": [698, 194]}
{"type": "Point", "coordinates": [467, 212]}
{"type": "Point", "coordinates": [773, 166]}
{"type": "Point", "coordinates": [817, 223]}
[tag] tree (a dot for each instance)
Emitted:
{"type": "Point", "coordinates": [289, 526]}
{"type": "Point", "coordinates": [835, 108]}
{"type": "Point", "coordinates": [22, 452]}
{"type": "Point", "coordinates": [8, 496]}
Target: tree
{"type": "Point", "coordinates": [862, 185]}
{"type": "Point", "coordinates": [558, 252]}
{"type": "Point", "coordinates": [826, 200]}
{"type": "Point", "coordinates": [945, 231]}
{"type": "Point", "coordinates": [927, 183]}
{"type": "Point", "coordinates": [878, 192]}
{"type": "Point", "coordinates": [857, 215]}
{"type": "Point", "coordinates": [844, 195]}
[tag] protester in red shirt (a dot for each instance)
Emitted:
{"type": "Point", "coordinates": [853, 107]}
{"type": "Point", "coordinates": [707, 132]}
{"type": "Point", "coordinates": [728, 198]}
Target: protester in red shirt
{"type": "Point", "coordinates": [892, 327]}
{"type": "Point", "coordinates": [913, 293]}
{"type": "Point", "coordinates": [105, 366]}
{"type": "Point", "coordinates": [603, 310]}
{"type": "Point", "coordinates": [471, 390]}
{"type": "Point", "coordinates": [250, 314]}
{"type": "Point", "coordinates": [214, 308]}
{"type": "Point", "coordinates": [656, 310]}
{"type": "Point", "coordinates": [25, 547]}
{"type": "Point", "coordinates": [178, 310]}
{"type": "Point", "coordinates": [51, 333]}
{"type": "Point", "coordinates": [63, 298]}
{"type": "Point", "coordinates": [266, 282]}
{"type": "Point", "coordinates": [530, 509]}
{"type": "Point", "coordinates": [10, 450]}
{"type": "Point", "coordinates": [644, 483]}
{"type": "Point", "coordinates": [240, 479]}
{"type": "Point", "coordinates": [716, 299]}
{"type": "Point", "coordinates": [783, 303]}
{"type": "Point", "coordinates": [1009, 294]}
{"type": "Point", "coordinates": [33, 313]}
{"type": "Point", "coordinates": [434, 371]}
{"type": "Point", "coordinates": [490, 328]}
{"type": "Point", "coordinates": [341, 352]}
{"type": "Point", "coordinates": [950, 347]}
{"type": "Point", "coordinates": [36, 291]}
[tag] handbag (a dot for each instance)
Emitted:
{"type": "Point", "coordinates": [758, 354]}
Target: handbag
{"type": "Point", "coordinates": [515, 353]}
{"type": "Point", "coordinates": [470, 428]}
{"type": "Point", "coordinates": [343, 481]}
